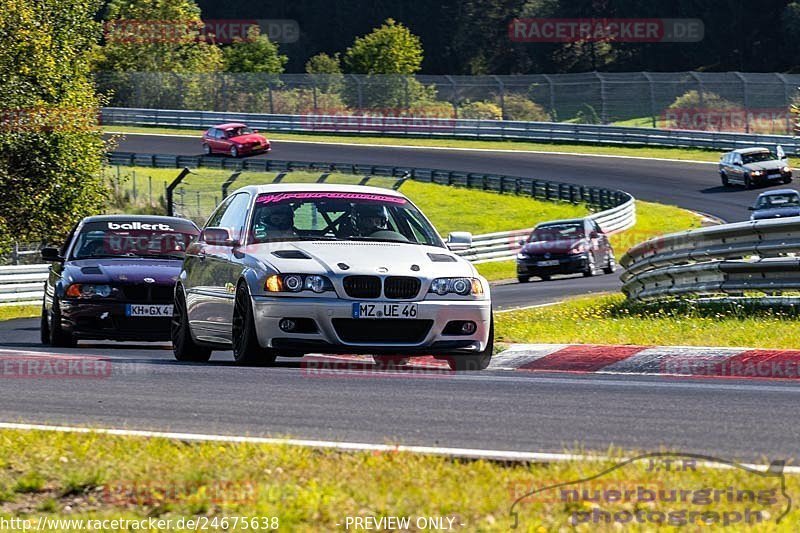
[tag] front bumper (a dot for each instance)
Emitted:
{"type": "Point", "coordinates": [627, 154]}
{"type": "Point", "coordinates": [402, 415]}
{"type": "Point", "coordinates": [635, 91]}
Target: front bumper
{"type": "Point", "coordinates": [250, 150]}
{"type": "Point", "coordinates": [107, 320]}
{"type": "Point", "coordinates": [572, 264]}
{"type": "Point", "coordinates": [334, 320]}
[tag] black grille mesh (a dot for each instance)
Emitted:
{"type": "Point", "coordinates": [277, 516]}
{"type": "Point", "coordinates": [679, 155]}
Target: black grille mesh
{"type": "Point", "coordinates": [362, 286]}
{"type": "Point", "coordinates": [401, 287]}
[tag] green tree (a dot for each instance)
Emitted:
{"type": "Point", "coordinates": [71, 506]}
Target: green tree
{"type": "Point", "coordinates": [254, 54]}
{"type": "Point", "coordinates": [390, 49]}
{"type": "Point", "coordinates": [51, 149]}
{"type": "Point", "coordinates": [324, 64]}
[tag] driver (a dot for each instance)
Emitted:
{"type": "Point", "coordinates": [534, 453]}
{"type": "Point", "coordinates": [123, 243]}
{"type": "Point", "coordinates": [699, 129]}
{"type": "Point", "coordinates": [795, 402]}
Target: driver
{"type": "Point", "coordinates": [370, 219]}
{"type": "Point", "coordinates": [275, 222]}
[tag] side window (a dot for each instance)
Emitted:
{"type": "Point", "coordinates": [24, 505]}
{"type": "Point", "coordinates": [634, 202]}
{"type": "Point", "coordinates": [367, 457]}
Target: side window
{"type": "Point", "coordinates": [212, 132]}
{"type": "Point", "coordinates": [235, 215]}
{"type": "Point", "coordinates": [216, 216]}
{"type": "Point", "coordinates": [737, 158]}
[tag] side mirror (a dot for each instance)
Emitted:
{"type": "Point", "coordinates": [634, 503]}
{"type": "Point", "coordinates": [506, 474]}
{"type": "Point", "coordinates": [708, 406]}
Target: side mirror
{"type": "Point", "coordinates": [751, 208]}
{"type": "Point", "coordinates": [217, 237]}
{"type": "Point", "coordinates": [522, 242]}
{"type": "Point", "coordinates": [255, 131]}
{"type": "Point", "coordinates": [737, 164]}
{"type": "Point", "coordinates": [459, 240]}
{"type": "Point", "coordinates": [51, 254]}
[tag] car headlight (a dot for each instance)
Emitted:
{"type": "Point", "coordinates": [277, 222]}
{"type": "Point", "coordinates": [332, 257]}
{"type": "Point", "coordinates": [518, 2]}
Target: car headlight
{"type": "Point", "coordinates": [88, 290]}
{"type": "Point", "coordinates": [757, 172]}
{"type": "Point", "coordinates": [297, 283]}
{"type": "Point", "coordinates": [460, 286]}
{"type": "Point", "coordinates": [786, 169]}
{"type": "Point", "coordinates": [522, 255]}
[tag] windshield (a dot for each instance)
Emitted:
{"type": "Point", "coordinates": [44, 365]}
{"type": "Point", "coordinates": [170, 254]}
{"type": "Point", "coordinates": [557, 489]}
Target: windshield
{"type": "Point", "coordinates": [339, 216]}
{"type": "Point", "coordinates": [778, 200]}
{"type": "Point", "coordinates": [558, 232]}
{"type": "Point", "coordinates": [133, 239]}
{"type": "Point", "coordinates": [236, 132]}
{"type": "Point", "coordinates": [758, 157]}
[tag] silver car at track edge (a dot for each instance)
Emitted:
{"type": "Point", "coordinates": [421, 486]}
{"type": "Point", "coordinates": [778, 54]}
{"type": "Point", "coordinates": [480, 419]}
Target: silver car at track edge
{"type": "Point", "coordinates": [292, 269]}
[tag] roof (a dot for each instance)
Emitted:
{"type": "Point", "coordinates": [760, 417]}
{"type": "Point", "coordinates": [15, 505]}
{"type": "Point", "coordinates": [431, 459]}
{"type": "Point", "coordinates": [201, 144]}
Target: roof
{"type": "Point", "coordinates": [229, 125]}
{"type": "Point", "coordinates": [752, 150]}
{"type": "Point", "coordinates": [778, 191]}
{"type": "Point", "coordinates": [318, 187]}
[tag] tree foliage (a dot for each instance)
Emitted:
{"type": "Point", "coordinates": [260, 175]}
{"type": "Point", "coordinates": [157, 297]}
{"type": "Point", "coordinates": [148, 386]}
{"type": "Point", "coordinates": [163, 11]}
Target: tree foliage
{"type": "Point", "coordinates": [254, 54]}
{"type": "Point", "coordinates": [50, 147]}
{"type": "Point", "coordinates": [390, 49]}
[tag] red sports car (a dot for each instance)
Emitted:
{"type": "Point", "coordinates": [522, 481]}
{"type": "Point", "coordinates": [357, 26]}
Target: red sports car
{"type": "Point", "coordinates": [234, 139]}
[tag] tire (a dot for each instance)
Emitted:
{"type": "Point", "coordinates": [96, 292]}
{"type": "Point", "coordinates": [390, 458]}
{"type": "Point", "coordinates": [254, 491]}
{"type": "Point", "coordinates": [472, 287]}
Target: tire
{"type": "Point", "coordinates": [748, 182]}
{"type": "Point", "coordinates": [787, 180]}
{"type": "Point", "coordinates": [479, 361]}
{"type": "Point", "coordinates": [724, 177]}
{"type": "Point", "coordinates": [590, 267]}
{"type": "Point", "coordinates": [206, 149]}
{"type": "Point", "coordinates": [611, 265]}
{"type": "Point", "coordinates": [545, 277]}
{"type": "Point", "coordinates": [44, 328]}
{"type": "Point", "coordinates": [388, 362]}
{"type": "Point", "coordinates": [58, 337]}
{"type": "Point", "coordinates": [246, 350]}
{"type": "Point", "coordinates": [184, 347]}
{"type": "Point", "coordinates": [523, 279]}
{"type": "Point", "coordinates": [234, 152]}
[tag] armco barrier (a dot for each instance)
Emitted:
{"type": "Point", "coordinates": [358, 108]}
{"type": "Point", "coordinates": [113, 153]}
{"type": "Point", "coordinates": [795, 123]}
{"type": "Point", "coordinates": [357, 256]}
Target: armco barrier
{"type": "Point", "coordinates": [730, 260]}
{"type": "Point", "coordinates": [436, 127]}
{"type": "Point", "coordinates": [615, 210]}
{"type": "Point", "coordinates": [22, 283]}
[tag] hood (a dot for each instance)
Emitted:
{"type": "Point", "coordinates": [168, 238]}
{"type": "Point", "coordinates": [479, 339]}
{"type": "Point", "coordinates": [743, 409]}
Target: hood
{"type": "Point", "coordinates": [775, 212]}
{"type": "Point", "coordinates": [249, 138]}
{"type": "Point", "coordinates": [364, 258]}
{"type": "Point", "coordinates": [766, 165]}
{"type": "Point", "coordinates": [127, 270]}
{"type": "Point", "coordinates": [561, 246]}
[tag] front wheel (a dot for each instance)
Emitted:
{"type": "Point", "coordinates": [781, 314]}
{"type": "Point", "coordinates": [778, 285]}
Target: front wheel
{"type": "Point", "coordinates": [478, 361]}
{"type": "Point", "coordinates": [523, 279]}
{"type": "Point", "coordinates": [787, 179]}
{"type": "Point", "coordinates": [724, 177]}
{"type": "Point", "coordinates": [590, 268]}
{"type": "Point", "coordinates": [44, 327]}
{"type": "Point", "coordinates": [234, 152]}
{"type": "Point", "coordinates": [58, 337]}
{"type": "Point", "coordinates": [748, 182]}
{"type": "Point", "coordinates": [246, 350]}
{"type": "Point", "coordinates": [183, 345]}
{"type": "Point", "coordinates": [611, 265]}
{"type": "Point", "coordinates": [206, 149]}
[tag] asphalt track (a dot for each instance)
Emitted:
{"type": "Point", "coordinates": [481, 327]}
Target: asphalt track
{"type": "Point", "coordinates": [546, 412]}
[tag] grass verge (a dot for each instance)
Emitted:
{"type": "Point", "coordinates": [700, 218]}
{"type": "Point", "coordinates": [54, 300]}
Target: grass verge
{"type": "Point", "coordinates": [652, 220]}
{"type": "Point", "coordinates": [684, 154]}
{"type": "Point", "coordinates": [609, 319]}
{"type": "Point", "coordinates": [449, 208]}
{"type": "Point", "coordinates": [7, 312]}
{"type": "Point", "coordinates": [91, 476]}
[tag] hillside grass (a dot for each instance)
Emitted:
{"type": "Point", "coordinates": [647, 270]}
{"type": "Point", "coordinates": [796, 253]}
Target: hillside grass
{"type": "Point", "coordinates": [8, 312]}
{"type": "Point", "coordinates": [95, 476]}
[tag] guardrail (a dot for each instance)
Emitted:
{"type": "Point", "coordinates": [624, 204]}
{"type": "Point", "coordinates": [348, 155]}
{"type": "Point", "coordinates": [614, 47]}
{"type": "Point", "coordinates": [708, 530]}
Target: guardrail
{"type": "Point", "coordinates": [730, 260]}
{"type": "Point", "coordinates": [22, 283]}
{"type": "Point", "coordinates": [616, 210]}
{"type": "Point", "coordinates": [438, 127]}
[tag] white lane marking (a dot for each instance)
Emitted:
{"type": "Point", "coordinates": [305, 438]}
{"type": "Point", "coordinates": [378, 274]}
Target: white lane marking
{"type": "Point", "coordinates": [455, 149]}
{"type": "Point", "coordinates": [509, 309]}
{"type": "Point", "coordinates": [474, 453]}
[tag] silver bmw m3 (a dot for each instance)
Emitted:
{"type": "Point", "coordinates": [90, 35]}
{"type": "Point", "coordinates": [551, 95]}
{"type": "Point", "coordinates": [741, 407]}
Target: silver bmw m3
{"type": "Point", "coordinates": [292, 269]}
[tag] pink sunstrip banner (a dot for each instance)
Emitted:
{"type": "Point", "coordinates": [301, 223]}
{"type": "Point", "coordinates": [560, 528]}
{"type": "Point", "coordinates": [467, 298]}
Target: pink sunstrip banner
{"type": "Point", "coordinates": [353, 196]}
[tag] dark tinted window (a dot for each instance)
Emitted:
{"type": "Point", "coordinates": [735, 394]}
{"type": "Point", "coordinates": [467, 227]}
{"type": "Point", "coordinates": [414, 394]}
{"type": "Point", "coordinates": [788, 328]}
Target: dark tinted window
{"type": "Point", "coordinates": [133, 238]}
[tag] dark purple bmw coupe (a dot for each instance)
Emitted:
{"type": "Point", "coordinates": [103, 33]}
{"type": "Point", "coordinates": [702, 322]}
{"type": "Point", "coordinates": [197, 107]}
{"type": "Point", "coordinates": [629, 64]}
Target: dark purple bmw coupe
{"type": "Point", "coordinates": [114, 278]}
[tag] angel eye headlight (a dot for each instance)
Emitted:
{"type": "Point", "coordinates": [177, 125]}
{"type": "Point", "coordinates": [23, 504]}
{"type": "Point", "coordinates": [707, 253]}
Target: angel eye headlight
{"type": "Point", "coordinates": [293, 283]}
{"type": "Point", "coordinates": [460, 286]}
{"type": "Point", "coordinates": [297, 283]}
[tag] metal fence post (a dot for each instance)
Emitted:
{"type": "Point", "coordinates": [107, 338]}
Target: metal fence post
{"type": "Point", "coordinates": [171, 188]}
{"type": "Point", "coordinates": [502, 97]}
{"type": "Point", "coordinates": [746, 102]}
{"type": "Point", "coordinates": [652, 98]}
{"type": "Point", "coordinates": [553, 113]}
{"type": "Point", "coordinates": [603, 113]}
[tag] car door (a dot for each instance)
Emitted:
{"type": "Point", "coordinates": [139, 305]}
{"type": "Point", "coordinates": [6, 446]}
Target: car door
{"type": "Point", "coordinates": [223, 143]}
{"type": "Point", "coordinates": [214, 278]}
{"type": "Point", "coordinates": [737, 169]}
{"type": "Point", "coordinates": [209, 137]}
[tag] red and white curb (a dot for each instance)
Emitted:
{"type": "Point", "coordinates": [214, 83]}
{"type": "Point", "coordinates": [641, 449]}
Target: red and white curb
{"type": "Point", "coordinates": [690, 361]}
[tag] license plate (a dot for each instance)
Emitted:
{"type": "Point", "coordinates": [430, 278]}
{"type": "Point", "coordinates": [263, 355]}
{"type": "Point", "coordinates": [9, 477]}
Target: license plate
{"type": "Point", "coordinates": [550, 263]}
{"type": "Point", "coordinates": [384, 310]}
{"type": "Point", "coordinates": [148, 310]}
